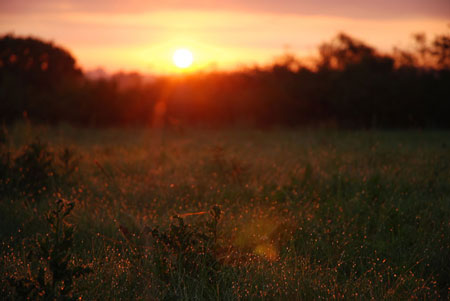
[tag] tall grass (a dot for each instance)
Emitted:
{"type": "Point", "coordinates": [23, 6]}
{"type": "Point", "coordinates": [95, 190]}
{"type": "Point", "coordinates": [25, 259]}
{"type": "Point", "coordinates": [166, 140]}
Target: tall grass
{"type": "Point", "coordinates": [239, 214]}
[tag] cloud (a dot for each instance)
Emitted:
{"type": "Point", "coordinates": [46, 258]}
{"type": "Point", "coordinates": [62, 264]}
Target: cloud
{"type": "Point", "coordinates": [377, 9]}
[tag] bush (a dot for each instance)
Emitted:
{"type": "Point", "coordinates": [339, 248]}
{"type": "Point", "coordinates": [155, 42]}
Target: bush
{"type": "Point", "coordinates": [184, 262]}
{"type": "Point", "coordinates": [51, 276]}
{"type": "Point", "coordinates": [36, 172]}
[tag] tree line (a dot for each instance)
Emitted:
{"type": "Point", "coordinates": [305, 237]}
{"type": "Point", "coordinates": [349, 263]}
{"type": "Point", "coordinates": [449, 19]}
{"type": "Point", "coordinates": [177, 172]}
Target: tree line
{"type": "Point", "coordinates": [350, 85]}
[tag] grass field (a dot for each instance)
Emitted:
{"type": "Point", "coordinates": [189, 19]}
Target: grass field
{"type": "Point", "coordinates": [225, 214]}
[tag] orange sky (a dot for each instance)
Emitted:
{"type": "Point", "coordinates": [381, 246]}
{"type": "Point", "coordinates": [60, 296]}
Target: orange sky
{"type": "Point", "coordinates": [142, 36]}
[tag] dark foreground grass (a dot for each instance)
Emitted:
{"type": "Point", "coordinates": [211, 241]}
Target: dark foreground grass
{"type": "Point", "coordinates": [225, 215]}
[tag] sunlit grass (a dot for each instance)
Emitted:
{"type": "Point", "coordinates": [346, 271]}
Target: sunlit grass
{"type": "Point", "coordinates": [305, 214]}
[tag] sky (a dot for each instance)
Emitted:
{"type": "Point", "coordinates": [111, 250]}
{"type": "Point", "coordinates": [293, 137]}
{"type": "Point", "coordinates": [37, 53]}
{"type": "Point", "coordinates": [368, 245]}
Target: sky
{"type": "Point", "coordinates": [139, 35]}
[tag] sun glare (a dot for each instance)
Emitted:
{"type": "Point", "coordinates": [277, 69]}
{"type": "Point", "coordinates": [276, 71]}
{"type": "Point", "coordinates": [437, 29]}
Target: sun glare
{"type": "Point", "coordinates": [182, 58]}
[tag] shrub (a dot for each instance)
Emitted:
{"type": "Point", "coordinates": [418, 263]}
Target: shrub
{"type": "Point", "coordinates": [36, 172]}
{"type": "Point", "coordinates": [51, 276]}
{"type": "Point", "coordinates": [184, 262]}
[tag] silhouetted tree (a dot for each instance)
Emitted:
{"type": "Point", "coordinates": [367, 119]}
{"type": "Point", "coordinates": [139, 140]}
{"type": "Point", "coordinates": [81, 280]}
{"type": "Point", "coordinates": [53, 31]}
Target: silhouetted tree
{"type": "Point", "coordinates": [440, 49]}
{"type": "Point", "coordinates": [352, 85]}
{"type": "Point", "coordinates": [31, 73]}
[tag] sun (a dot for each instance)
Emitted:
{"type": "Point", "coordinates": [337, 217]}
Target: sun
{"type": "Point", "coordinates": [182, 58]}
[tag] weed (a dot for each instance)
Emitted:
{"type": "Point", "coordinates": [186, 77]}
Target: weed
{"type": "Point", "coordinates": [184, 258]}
{"type": "Point", "coordinates": [231, 170]}
{"type": "Point", "coordinates": [68, 162]}
{"type": "Point", "coordinates": [36, 172]}
{"type": "Point", "coordinates": [51, 276]}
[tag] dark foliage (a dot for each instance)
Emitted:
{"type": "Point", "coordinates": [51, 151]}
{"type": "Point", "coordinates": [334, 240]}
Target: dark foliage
{"type": "Point", "coordinates": [191, 252]}
{"type": "Point", "coordinates": [352, 85]}
{"type": "Point", "coordinates": [52, 275]}
{"type": "Point", "coordinates": [36, 172]}
{"type": "Point", "coordinates": [35, 77]}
